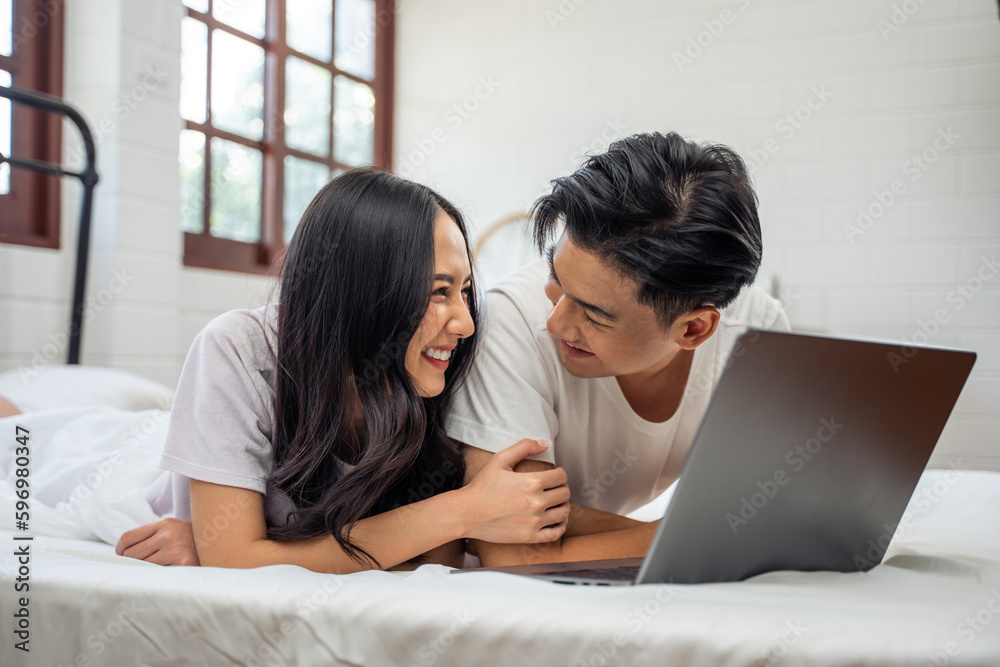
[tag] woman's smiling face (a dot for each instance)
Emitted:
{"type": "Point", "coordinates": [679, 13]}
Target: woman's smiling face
{"type": "Point", "coordinates": [447, 318]}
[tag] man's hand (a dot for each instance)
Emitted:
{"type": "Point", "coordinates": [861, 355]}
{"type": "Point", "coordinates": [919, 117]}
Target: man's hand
{"type": "Point", "coordinates": [585, 520]}
{"type": "Point", "coordinates": [166, 542]}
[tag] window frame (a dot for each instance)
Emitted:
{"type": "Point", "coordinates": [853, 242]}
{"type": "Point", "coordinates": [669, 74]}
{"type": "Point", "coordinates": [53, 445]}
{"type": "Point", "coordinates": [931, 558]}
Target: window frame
{"type": "Point", "coordinates": [201, 249]}
{"type": "Point", "coordinates": [29, 214]}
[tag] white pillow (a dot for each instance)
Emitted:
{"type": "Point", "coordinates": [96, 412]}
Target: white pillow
{"type": "Point", "coordinates": [73, 385]}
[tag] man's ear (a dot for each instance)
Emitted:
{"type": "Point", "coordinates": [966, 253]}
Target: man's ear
{"type": "Point", "coordinates": [694, 328]}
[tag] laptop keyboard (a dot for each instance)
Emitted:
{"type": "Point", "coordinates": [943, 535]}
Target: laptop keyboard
{"type": "Point", "coordinates": [620, 573]}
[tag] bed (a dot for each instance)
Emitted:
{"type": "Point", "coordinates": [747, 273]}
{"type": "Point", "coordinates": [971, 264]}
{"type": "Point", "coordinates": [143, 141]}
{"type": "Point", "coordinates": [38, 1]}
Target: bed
{"type": "Point", "coordinates": [935, 600]}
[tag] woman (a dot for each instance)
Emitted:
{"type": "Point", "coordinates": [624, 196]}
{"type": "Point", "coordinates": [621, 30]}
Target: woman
{"type": "Point", "coordinates": [309, 432]}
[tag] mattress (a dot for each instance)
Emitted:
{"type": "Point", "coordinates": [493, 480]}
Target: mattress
{"type": "Point", "coordinates": [934, 600]}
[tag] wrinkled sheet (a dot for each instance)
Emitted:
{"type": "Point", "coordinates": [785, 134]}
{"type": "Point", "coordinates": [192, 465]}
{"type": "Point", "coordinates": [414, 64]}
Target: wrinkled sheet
{"type": "Point", "coordinates": [935, 600]}
{"type": "Point", "coordinates": [94, 470]}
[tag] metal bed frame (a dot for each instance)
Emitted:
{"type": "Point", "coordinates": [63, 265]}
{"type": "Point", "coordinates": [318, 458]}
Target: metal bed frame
{"type": "Point", "coordinates": [87, 177]}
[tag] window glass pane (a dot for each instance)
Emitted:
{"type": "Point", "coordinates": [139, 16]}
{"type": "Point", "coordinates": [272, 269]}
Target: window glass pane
{"type": "Point", "coordinates": [236, 184]}
{"type": "Point", "coordinates": [309, 27]}
{"type": "Point", "coordinates": [245, 15]}
{"type": "Point", "coordinates": [192, 162]}
{"type": "Point", "coordinates": [194, 69]}
{"type": "Point", "coordinates": [237, 85]}
{"type": "Point", "coordinates": [307, 107]}
{"type": "Point", "coordinates": [354, 44]}
{"type": "Point", "coordinates": [303, 179]}
{"type": "Point", "coordinates": [5, 134]}
{"type": "Point", "coordinates": [353, 122]}
{"type": "Point", "coordinates": [200, 5]}
{"type": "Point", "coordinates": [6, 27]}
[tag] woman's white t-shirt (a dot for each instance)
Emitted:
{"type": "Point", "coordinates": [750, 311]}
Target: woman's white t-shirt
{"type": "Point", "coordinates": [222, 419]}
{"type": "Point", "coordinates": [616, 461]}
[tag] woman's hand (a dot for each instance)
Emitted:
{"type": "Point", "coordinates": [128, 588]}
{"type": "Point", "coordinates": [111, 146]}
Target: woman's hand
{"type": "Point", "coordinates": [509, 507]}
{"type": "Point", "coordinates": [166, 542]}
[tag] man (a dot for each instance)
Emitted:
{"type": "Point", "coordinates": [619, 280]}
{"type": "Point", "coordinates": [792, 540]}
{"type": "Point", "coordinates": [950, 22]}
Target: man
{"type": "Point", "coordinates": [611, 347]}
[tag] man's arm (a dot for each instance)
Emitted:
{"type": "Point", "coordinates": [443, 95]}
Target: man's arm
{"type": "Point", "coordinates": [590, 534]}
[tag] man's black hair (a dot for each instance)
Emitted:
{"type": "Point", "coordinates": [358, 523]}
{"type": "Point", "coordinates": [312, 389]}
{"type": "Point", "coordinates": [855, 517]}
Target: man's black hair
{"type": "Point", "coordinates": [678, 217]}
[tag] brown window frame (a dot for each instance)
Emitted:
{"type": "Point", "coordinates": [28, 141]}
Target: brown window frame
{"type": "Point", "coordinates": [29, 214]}
{"type": "Point", "coordinates": [203, 250]}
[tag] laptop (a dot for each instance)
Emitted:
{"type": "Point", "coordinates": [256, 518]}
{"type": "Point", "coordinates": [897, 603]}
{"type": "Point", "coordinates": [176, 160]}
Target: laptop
{"type": "Point", "coordinates": [806, 458]}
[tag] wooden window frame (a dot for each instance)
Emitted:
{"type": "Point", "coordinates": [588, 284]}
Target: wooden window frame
{"type": "Point", "coordinates": [29, 214]}
{"type": "Point", "coordinates": [203, 250]}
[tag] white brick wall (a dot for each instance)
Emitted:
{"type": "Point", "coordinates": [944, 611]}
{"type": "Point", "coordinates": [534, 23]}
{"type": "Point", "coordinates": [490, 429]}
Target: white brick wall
{"type": "Point", "coordinates": [569, 70]}
{"type": "Point", "coordinates": [568, 76]}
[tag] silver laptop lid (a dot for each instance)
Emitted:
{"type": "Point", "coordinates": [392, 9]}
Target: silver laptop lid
{"type": "Point", "coordinates": [806, 458]}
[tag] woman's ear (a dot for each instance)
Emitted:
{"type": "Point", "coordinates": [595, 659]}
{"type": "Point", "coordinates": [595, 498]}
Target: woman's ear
{"type": "Point", "coordinates": [694, 328]}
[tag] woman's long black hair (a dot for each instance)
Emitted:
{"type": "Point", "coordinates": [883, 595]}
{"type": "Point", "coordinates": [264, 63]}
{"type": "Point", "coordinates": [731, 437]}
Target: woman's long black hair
{"type": "Point", "coordinates": [355, 285]}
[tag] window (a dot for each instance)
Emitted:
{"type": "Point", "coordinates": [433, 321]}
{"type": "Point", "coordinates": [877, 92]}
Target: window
{"type": "Point", "coordinates": [277, 96]}
{"type": "Point", "coordinates": [31, 53]}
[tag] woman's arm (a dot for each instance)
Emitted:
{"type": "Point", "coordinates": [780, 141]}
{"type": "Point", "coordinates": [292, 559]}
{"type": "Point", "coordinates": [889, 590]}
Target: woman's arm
{"type": "Point", "coordinates": [171, 542]}
{"type": "Point", "coordinates": [239, 538]}
{"type": "Point", "coordinates": [497, 505]}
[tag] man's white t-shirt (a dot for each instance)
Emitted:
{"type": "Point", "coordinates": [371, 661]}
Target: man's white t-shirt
{"type": "Point", "coordinates": [616, 460]}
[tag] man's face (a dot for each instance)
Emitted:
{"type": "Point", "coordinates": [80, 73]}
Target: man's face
{"type": "Point", "coordinates": [602, 330]}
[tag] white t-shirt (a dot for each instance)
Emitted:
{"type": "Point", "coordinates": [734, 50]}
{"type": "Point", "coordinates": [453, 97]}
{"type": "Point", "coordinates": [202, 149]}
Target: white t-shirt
{"type": "Point", "coordinates": [616, 460]}
{"type": "Point", "coordinates": [222, 419]}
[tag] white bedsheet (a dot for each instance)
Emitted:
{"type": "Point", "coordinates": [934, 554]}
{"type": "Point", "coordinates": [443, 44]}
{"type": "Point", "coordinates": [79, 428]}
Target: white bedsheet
{"type": "Point", "coordinates": [93, 470]}
{"type": "Point", "coordinates": [935, 600]}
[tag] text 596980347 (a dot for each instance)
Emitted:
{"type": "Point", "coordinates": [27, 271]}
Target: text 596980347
{"type": "Point", "coordinates": [22, 543]}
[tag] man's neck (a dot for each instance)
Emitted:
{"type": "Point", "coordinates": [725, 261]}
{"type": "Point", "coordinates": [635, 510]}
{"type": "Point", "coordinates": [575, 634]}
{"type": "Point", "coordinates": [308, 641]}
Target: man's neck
{"type": "Point", "coordinates": [655, 394]}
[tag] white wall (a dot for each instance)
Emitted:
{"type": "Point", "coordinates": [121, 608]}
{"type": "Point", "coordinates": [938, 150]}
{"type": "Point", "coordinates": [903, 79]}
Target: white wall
{"type": "Point", "coordinates": [122, 70]}
{"type": "Point", "coordinates": [538, 83]}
